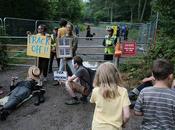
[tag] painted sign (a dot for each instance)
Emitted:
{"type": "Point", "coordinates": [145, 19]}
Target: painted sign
{"type": "Point", "coordinates": [38, 46]}
{"type": "Point", "coordinates": [60, 75]}
{"type": "Point", "coordinates": [64, 47]}
{"type": "Point", "coordinates": [129, 48]}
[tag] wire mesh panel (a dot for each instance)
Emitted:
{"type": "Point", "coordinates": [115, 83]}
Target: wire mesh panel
{"type": "Point", "coordinates": [142, 33]}
{"type": "Point", "coordinates": [18, 26]}
{"type": "Point", "coordinates": [90, 49]}
{"type": "Point", "coordinates": [1, 27]}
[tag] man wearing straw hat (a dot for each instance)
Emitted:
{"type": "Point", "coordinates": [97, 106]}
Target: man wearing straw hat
{"type": "Point", "coordinates": [20, 91]}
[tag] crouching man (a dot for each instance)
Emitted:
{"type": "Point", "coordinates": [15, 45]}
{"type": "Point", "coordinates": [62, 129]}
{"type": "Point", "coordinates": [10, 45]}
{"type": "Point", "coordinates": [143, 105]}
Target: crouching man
{"type": "Point", "coordinates": [78, 82]}
{"type": "Point", "coordinates": [22, 90]}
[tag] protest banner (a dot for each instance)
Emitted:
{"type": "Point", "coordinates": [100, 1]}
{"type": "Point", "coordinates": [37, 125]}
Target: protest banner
{"type": "Point", "coordinates": [38, 46]}
{"type": "Point", "coordinates": [60, 75]}
{"type": "Point", "coordinates": [64, 47]}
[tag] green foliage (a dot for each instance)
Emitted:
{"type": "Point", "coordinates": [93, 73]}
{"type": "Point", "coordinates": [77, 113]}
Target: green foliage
{"type": "Point", "coordinates": [166, 12]}
{"type": "Point", "coordinates": [68, 9]}
{"type": "Point", "coordinates": [164, 49]}
{"type": "Point", "coordinates": [135, 68]}
{"type": "Point", "coordinates": [33, 9]}
{"type": "Point", "coordinates": [121, 10]}
{"type": "Point", "coordinates": [42, 9]}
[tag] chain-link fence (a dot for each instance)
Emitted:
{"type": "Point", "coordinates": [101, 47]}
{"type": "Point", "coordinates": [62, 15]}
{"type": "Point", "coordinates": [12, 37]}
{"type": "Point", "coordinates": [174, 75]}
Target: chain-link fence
{"type": "Point", "coordinates": [49, 24]}
{"type": "Point", "coordinates": [1, 26]}
{"type": "Point", "coordinates": [18, 26]}
{"type": "Point", "coordinates": [143, 33]}
{"type": "Point", "coordinates": [91, 49]}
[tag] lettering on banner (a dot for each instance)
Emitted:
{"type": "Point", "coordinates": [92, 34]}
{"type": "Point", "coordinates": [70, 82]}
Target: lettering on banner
{"type": "Point", "coordinates": [60, 75]}
{"type": "Point", "coordinates": [38, 46]}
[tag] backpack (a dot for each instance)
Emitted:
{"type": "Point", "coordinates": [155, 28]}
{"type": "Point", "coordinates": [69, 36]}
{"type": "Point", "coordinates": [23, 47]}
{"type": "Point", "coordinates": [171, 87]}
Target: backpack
{"type": "Point", "coordinates": [91, 75]}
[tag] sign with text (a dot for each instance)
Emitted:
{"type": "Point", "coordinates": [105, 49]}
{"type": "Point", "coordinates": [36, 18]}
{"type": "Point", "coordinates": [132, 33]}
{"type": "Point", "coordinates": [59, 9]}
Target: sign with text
{"type": "Point", "coordinates": [64, 47]}
{"type": "Point", "coordinates": [129, 48]}
{"type": "Point", "coordinates": [60, 75]}
{"type": "Point", "coordinates": [38, 46]}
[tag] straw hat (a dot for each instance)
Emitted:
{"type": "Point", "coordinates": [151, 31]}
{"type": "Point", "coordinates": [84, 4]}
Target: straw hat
{"type": "Point", "coordinates": [34, 72]}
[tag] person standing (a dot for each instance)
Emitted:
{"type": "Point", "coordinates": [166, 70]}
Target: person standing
{"type": "Point", "coordinates": [62, 30]}
{"type": "Point", "coordinates": [110, 98]}
{"type": "Point", "coordinates": [61, 33]}
{"type": "Point", "coordinates": [77, 30]}
{"type": "Point", "coordinates": [109, 43]}
{"type": "Point", "coordinates": [43, 62]}
{"type": "Point", "coordinates": [68, 61]}
{"type": "Point", "coordinates": [53, 50]}
{"type": "Point", "coordinates": [88, 32]}
{"type": "Point", "coordinates": [157, 103]}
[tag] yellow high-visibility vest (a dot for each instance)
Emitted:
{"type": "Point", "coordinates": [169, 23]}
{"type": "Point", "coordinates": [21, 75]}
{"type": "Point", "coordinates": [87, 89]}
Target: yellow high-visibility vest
{"type": "Point", "coordinates": [110, 45]}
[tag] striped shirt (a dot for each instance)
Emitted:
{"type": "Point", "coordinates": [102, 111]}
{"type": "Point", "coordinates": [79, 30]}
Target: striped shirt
{"type": "Point", "coordinates": [158, 107]}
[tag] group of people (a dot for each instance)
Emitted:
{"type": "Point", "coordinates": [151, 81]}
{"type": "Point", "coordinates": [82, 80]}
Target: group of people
{"type": "Point", "coordinates": [65, 31]}
{"type": "Point", "coordinates": [156, 102]}
{"type": "Point", "coordinates": [111, 40]}
{"type": "Point", "coordinates": [37, 74]}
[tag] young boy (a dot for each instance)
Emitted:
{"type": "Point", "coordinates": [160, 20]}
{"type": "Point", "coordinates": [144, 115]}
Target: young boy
{"type": "Point", "coordinates": [157, 104]}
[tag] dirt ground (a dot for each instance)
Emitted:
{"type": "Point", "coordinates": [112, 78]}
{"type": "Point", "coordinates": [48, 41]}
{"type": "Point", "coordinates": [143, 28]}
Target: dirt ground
{"type": "Point", "coordinates": [53, 114]}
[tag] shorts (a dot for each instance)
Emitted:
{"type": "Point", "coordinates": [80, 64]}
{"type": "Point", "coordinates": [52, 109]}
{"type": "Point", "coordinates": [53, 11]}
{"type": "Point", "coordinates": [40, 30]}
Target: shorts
{"type": "Point", "coordinates": [76, 87]}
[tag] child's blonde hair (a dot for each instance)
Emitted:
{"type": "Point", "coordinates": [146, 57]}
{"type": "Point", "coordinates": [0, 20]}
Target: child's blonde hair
{"type": "Point", "coordinates": [108, 79]}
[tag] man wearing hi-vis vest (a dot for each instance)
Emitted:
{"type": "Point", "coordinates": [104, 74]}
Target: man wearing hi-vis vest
{"type": "Point", "coordinates": [109, 43]}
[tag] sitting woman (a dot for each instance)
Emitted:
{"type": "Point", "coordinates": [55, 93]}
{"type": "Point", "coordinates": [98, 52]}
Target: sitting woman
{"type": "Point", "coordinates": [22, 90]}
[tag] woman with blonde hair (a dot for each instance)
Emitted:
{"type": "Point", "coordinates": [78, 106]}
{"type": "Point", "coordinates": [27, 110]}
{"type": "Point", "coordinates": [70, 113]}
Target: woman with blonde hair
{"type": "Point", "coordinates": [111, 99]}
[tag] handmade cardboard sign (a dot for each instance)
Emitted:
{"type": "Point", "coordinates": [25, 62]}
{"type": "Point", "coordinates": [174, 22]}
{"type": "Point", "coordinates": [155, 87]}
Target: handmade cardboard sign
{"type": "Point", "coordinates": [38, 46]}
{"type": "Point", "coordinates": [64, 47]}
{"type": "Point", "coordinates": [60, 75]}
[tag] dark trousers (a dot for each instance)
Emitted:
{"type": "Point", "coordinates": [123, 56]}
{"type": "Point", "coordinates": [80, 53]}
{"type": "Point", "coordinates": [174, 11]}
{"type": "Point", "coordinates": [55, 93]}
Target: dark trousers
{"type": "Point", "coordinates": [52, 55]}
{"type": "Point", "coordinates": [43, 65]}
{"type": "Point", "coordinates": [108, 56]}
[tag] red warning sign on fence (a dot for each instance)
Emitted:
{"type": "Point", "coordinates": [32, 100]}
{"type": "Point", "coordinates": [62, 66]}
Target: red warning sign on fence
{"type": "Point", "coordinates": [129, 48]}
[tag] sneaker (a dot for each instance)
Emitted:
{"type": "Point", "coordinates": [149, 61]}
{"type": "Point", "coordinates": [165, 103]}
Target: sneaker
{"type": "Point", "coordinates": [72, 102]}
{"type": "Point", "coordinates": [83, 99]}
{"type": "Point", "coordinates": [3, 115]}
{"type": "Point", "coordinates": [56, 84]}
{"type": "Point", "coordinates": [45, 79]}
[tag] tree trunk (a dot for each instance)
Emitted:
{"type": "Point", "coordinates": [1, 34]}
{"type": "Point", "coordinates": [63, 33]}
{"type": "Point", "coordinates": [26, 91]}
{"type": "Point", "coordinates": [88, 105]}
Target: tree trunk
{"type": "Point", "coordinates": [131, 15]}
{"type": "Point", "coordinates": [139, 10]}
{"type": "Point", "coordinates": [143, 11]}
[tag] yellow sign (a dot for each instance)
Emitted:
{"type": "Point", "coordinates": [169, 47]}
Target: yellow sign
{"type": "Point", "coordinates": [38, 46]}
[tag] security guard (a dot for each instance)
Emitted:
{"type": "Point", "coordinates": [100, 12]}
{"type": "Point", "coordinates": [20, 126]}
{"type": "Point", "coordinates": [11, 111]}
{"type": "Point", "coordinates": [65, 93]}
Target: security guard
{"type": "Point", "coordinates": [109, 43]}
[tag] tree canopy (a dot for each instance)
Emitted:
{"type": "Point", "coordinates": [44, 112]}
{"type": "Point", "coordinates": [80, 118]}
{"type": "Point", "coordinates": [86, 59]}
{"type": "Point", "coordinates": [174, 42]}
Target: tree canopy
{"type": "Point", "coordinates": [42, 9]}
{"type": "Point", "coordinates": [120, 10]}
